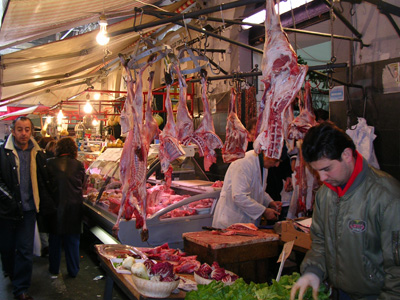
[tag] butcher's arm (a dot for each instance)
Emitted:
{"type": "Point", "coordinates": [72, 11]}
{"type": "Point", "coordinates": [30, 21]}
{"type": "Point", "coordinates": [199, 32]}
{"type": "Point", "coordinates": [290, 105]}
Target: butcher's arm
{"type": "Point", "coordinates": [390, 237]}
{"type": "Point", "coordinates": [241, 193]}
{"type": "Point", "coordinates": [314, 261]}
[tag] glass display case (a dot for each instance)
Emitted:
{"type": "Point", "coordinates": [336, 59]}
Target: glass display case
{"type": "Point", "coordinates": [190, 201]}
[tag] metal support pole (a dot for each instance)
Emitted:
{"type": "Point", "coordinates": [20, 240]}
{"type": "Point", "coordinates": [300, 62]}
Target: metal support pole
{"type": "Point", "coordinates": [189, 15]}
{"type": "Point", "coordinates": [343, 19]}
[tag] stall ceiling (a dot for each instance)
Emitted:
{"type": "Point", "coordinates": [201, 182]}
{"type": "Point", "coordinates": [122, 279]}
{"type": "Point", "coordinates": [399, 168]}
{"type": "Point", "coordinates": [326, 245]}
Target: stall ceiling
{"type": "Point", "coordinates": [57, 70]}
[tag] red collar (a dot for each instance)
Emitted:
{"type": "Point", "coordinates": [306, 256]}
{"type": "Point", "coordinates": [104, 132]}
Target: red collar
{"type": "Point", "coordinates": [357, 169]}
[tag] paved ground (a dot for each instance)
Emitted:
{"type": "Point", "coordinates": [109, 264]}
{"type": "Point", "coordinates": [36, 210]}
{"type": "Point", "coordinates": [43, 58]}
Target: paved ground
{"type": "Point", "coordinates": [83, 287]}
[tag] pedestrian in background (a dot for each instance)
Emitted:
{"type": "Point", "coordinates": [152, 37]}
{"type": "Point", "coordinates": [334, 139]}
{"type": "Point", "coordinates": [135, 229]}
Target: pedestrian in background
{"type": "Point", "coordinates": [67, 177]}
{"type": "Point", "coordinates": [23, 192]}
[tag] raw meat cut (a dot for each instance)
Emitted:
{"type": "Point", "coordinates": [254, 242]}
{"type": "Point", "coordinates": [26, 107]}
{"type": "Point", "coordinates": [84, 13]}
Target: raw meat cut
{"type": "Point", "coordinates": [282, 77]}
{"type": "Point", "coordinates": [133, 162]}
{"type": "Point", "coordinates": [288, 119]}
{"type": "Point", "coordinates": [184, 121]}
{"type": "Point", "coordinates": [150, 129]}
{"type": "Point", "coordinates": [204, 136]}
{"type": "Point", "coordinates": [243, 226]}
{"type": "Point", "coordinates": [305, 120]}
{"type": "Point", "coordinates": [170, 149]}
{"type": "Point", "coordinates": [236, 134]}
{"type": "Point", "coordinates": [304, 181]}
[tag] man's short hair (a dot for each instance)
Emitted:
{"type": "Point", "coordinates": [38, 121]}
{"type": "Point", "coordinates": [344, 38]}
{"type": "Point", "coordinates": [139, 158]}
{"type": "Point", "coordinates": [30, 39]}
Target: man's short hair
{"type": "Point", "coordinates": [325, 140]}
{"type": "Point", "coordinates": [22, 118]}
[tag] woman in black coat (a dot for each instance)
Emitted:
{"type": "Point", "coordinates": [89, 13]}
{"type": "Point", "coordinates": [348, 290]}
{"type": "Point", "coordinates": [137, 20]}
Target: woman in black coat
{"type": "Point", "coordinates": [67, 177]}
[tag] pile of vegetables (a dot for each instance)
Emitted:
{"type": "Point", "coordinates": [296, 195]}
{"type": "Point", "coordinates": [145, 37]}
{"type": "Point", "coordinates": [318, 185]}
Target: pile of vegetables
{"type": "Point", "coordinates": [149, 270]}
{"type": "Point", "coordinates": [217, 290]}
{"type": "Point", "coordinates": [215, 272]}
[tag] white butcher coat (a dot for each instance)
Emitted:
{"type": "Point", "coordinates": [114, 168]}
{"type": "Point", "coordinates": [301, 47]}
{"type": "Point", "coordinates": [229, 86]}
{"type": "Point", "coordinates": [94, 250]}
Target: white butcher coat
{"type": "Point", "coordinates": [243, 198]}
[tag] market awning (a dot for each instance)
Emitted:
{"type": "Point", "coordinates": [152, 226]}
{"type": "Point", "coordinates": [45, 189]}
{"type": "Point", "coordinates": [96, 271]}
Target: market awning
{"type": "Point", "coordinates": [15, 112]}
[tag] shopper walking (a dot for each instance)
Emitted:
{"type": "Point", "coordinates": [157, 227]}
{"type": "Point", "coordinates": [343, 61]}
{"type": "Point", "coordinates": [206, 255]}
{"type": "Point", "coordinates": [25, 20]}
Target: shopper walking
{"type": "Point", "coordinates": [67, 177]}
{"type": "Point", "coordinates": [22, 165]}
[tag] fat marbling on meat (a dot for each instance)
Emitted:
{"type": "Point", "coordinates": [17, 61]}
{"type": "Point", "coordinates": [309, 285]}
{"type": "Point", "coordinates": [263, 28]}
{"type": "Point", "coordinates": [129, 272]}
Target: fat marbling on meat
{"type": "Point", "coordinates": [282, 77]}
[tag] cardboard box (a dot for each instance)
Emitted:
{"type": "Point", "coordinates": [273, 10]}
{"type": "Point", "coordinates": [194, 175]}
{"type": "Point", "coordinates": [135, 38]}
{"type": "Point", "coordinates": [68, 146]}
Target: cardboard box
{"type": "Point", "coordinates": [289, 233]}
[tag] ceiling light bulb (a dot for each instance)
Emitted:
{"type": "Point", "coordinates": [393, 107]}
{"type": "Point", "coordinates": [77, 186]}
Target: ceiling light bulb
{"type": "Point", "coordinates": [96, 96]}
{"type": "Point", "coordinates": [95, 122]}
{"type": "Point", "coordinates": [88, 108]}
{"type": "Point", "coordinates": [102, 38]}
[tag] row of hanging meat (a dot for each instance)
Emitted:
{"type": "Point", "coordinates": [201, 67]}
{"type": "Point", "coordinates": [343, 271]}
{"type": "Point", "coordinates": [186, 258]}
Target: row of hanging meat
{"type": "Point", "coordinates": [283, 78]}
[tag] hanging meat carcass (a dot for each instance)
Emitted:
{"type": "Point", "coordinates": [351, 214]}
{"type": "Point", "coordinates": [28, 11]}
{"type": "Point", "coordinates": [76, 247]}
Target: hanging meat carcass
{"type": "Point", "coordinates": [282, 77]}
{"type": "Point", "coordinates": [133, 162]}
{"type": "Point", "coordinates": [236, 134]}
{"type": "Point", "coordinates": [184, 121]}
{"type": "Point", "coordinates": [150, 128]}
{"type": "Point", "coordinates": [170, 149]}
{"type": "Point", "coordinates": [304, 181]}
{"type": "Point", "coordinates": [204, 136]}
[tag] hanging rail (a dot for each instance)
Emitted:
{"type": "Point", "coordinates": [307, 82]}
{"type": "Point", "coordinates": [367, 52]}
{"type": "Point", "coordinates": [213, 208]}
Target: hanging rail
{"type": "Point", "coordinates": [189, 15]}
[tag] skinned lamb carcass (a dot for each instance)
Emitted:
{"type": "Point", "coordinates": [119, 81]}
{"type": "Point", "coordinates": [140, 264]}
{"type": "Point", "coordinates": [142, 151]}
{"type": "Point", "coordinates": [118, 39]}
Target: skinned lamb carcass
{"type": "Point", "coordinates": [150, 129]}
{"type": "Point", "coordinates": [170, 149]}
{"type": "Point", "coordinates": [133, 162]}
{"type": "Point", "coordinates": [282, 77]}
{"type": "Point", "coordinates": [236, 140]}
{"type": "Point", "coordinates": [184, 121]}
{"type": "Point", "coordinates": [304, 180]}
{"type": "Point", "coordinates": [204, 136]}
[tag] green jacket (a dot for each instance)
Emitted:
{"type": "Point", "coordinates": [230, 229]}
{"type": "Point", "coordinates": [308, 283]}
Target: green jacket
{"type": "Point", "coordinates": [356, 238]}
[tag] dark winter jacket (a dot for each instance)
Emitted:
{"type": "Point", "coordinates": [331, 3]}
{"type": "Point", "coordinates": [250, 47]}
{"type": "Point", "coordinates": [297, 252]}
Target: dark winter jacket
{"type": "Point", "coordinates": [10, 194]}
{"type": "Point", "coordinates": [356, 237]}
{"type": "Point", "coordinates": [67, 177]}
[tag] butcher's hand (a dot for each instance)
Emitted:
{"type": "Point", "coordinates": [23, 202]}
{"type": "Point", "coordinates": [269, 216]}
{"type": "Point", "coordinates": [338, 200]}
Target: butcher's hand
{"type": "Point", "coordinates": [308, 279]}
{"type": "Point", "coordinates": [271, 214]}
{"type": "Point", "coordinates": [276, 205]}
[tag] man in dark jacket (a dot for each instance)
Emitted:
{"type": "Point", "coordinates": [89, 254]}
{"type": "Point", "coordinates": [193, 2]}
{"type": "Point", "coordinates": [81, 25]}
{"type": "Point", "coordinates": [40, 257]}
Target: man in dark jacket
{"type": "Point", "coordinates": [22, 176]}
{"type": "Point", "coordinates": [355, 229]}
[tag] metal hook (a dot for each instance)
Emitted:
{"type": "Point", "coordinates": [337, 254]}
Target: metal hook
{"type": "Point", "coordinates": [222, 17]}
{"type": "Point", "coordinates": [187, 31]}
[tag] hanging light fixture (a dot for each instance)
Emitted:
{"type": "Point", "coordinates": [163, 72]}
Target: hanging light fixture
{"type": "Point", "coordinates": [102, 38]}
{"type": "Point", "coordinates": [96, 96]}
{"type": "Point", "coordinates": [88, 108]}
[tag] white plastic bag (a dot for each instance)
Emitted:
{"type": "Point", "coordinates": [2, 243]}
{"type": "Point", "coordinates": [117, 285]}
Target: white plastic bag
{"type": "Point", "coordinates": [363, 137]}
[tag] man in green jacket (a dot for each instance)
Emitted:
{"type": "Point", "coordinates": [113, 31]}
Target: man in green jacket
{"type": "Point", "coordinates": [356, 221]}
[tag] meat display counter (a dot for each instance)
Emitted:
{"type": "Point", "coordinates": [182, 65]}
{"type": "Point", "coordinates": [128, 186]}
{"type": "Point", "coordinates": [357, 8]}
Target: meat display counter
{"type": "Point", "coordinates": [187, 206]}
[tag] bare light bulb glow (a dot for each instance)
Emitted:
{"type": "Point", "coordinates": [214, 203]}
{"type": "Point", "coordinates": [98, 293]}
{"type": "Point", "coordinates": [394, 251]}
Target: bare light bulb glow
{"type": "Point", "coordinates": [102, 38]}
{"type": "Point", "coordinates": [60, 116]}
{"type": "Point", "coordinates": [95, 122]}
{"type": "Point", "coordinates": [87, 108]}
{"type": "Point", "coordinates": [96, 96]}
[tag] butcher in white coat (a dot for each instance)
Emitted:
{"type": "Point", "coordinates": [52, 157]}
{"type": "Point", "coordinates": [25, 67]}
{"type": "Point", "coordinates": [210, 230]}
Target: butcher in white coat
{"type": "Point", "coordinates": [243, 198]}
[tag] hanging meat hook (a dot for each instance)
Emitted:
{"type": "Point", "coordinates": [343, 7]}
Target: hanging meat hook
{"type": "Point", "coordinates": [187, 37]}
{"type": "Point", "coordinates": [222, 17]}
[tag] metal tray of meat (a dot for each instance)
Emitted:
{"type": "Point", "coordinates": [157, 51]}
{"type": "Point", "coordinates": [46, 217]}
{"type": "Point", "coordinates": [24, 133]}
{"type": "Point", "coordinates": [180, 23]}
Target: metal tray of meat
{"type": "Point", "coordinates": [168, 230]}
